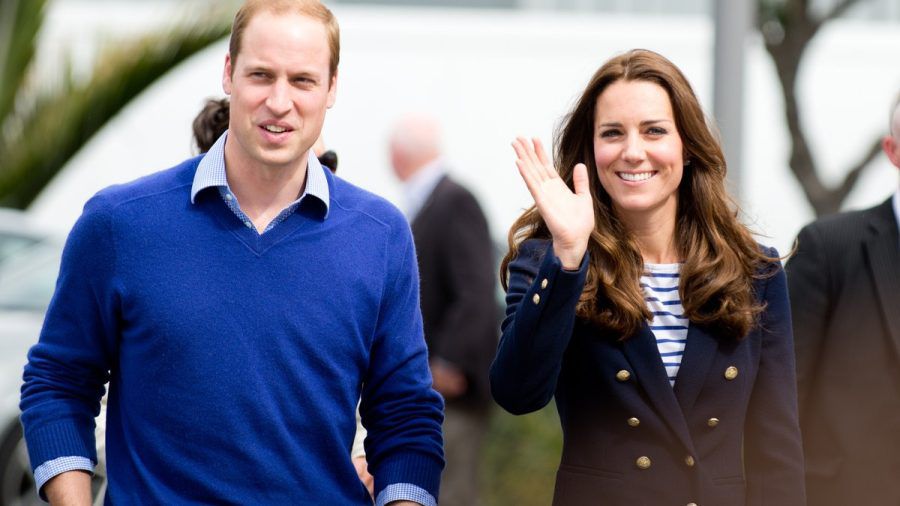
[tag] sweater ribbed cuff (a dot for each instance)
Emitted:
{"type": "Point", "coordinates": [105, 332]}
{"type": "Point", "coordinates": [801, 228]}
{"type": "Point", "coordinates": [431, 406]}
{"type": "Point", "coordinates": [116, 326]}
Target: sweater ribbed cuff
{"type": "Point", "coordinates": [64, 438]}
{"type": "Point", "coordinates": [418, 469]}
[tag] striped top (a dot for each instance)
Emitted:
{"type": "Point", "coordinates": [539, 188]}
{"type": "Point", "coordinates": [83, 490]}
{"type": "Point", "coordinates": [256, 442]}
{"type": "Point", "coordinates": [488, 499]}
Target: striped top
{"type": "Point", "coordinates": [660, 286]}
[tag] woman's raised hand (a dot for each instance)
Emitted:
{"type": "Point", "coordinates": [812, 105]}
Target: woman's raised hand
{"type": "Point", "coordinates": [569, 216]}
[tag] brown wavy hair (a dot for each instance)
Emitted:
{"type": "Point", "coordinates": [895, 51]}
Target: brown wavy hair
{"type": "Point", "coordinates": [721, 257]}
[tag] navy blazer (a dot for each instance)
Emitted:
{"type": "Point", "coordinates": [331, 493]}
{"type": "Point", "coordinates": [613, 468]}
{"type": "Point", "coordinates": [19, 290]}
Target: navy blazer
{"type": "Point", "coordinates": [726, 435]}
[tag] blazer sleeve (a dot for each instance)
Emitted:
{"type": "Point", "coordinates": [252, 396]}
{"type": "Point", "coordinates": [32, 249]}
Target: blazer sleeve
{"type": "Point", "coordinates": [808, 283]}
{"type": "Point", "coordinates": [466, 334]}
{"type": "Point", "coordinates": [772, 445]}
{"type": "Point", "coordinates": [540, 317]}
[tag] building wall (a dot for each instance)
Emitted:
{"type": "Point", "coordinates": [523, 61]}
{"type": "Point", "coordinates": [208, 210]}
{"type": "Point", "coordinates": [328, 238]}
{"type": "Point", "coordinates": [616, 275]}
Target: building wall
{"type": "Point", "coordinates": [490, 75]}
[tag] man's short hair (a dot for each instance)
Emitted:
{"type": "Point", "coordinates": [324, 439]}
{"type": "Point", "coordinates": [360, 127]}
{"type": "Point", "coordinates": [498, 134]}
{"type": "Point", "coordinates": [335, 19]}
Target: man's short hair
{"type": "Point", "coordinates": [311, 8]}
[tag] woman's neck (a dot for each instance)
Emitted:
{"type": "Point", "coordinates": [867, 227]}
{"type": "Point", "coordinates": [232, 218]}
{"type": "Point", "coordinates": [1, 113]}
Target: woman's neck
{"type": "Point", "coordinates": [655, 236]}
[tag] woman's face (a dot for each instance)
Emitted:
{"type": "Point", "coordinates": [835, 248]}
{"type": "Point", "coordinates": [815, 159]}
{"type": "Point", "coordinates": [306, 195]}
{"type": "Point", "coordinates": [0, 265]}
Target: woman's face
{"type": "Point", "coordinates": [637, 150]}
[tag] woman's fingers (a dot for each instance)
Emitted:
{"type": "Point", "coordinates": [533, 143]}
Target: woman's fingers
{"type": "Point", "coordinates": [580, 179]}
{"type": "Point", "coordinates": [526, 166]}
{"type": "Point", "coordinates": [538, 163]}
{"type": "Point", "coordinates": [543, 160]}
{"type": "Point", "coordinates": [529, 177]}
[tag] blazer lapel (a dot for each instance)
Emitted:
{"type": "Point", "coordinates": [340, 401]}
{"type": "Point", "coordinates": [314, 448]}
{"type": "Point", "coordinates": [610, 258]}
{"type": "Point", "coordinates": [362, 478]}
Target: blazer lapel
{"type": "Point", "coordinates": [883, 251]}
{"type": "Point", "coordinates": [643, 354]}
{"type": "Point", "coordinates": [698, 357]}
{"type": "Point", "coordinates": [429, 201]}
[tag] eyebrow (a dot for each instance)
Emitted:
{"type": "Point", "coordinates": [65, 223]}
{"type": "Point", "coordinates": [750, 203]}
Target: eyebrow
{"type": "Point", "coordinates": [643, 123]}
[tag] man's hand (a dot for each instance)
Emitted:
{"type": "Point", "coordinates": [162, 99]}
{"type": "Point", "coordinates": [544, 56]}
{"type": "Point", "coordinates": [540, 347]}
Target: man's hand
{"type": "Point", "coordinates": [362, 470]}
{"type": "Point", "coordinates": [448, 380]}
{"type": "Point", "coordinates": [71, 488]}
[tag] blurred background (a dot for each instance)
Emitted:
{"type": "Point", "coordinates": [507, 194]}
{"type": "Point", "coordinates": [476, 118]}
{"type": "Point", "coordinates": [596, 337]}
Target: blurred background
{"type": "Point", "coordinates": [98, 92]}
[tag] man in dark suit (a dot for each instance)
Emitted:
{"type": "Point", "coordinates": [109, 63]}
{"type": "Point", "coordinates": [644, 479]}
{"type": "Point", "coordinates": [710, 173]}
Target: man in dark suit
{"type": "Point", "coordinates": [844, 282]}
{"type": "Point", "coordinates": [459, 309]}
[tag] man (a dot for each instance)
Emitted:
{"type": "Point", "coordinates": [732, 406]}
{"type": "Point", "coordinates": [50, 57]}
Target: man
{"type": "Point", "coordinates": [240, 304]}
{"type": "Point", "coordinates": [457, 273]}
{"type": "Point", "coordinates": [844, 282]}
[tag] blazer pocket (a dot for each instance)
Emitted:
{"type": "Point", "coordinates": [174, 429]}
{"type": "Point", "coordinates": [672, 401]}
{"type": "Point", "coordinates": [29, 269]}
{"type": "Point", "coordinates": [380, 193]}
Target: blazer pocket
{"type": "Point", "coordinates": [591, 471]}
{"type": "Point", "coordinates": [588, 486]}
{"type": "Point", "coordinates": [729, 480]}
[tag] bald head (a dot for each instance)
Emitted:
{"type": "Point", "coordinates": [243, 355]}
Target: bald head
{"type": "Point", "coordinates": [415, 141]}
{"type": "Point", "coordinates": [891, 142]}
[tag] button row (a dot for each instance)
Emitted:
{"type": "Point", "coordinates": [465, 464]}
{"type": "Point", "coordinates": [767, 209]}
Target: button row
{"type": "Point", "coordinates": [537, 298]}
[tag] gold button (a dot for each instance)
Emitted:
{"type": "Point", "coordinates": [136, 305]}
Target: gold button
{"type": "Point", "coordinates": [689, 460]}
{"type": "Point", "coordinates": [731, 373]}
{"type": "Point", "coordinates": [536, 299]}
{"type": "Point", "coordinates": [623, 375]}
{"type": "Point", "coordinates": [634, 422]}
{"type": "Point", "coordinates": [544, 283]}
{"type": "Point", "coordinates": [691, 504]}
{"type": "Point", "coordinates": [643, 462]}
{"type": "Point", "coordinates": [712, 422]}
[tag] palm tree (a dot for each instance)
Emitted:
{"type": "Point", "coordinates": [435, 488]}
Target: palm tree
{"type": "Point", "coordinates": [42, 128]}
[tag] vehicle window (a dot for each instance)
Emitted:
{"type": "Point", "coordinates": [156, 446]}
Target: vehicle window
{"type": "Point", "coordinates": [28, 277]}
{"type": "Point", "coordinates": [10, 244]}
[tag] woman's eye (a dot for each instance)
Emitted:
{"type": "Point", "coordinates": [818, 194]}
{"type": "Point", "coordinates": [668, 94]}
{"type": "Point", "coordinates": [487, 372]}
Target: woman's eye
{"type": "Point", "coordinates": [657, 131]}
{"type": "Point", "coordinates": [609, 133]}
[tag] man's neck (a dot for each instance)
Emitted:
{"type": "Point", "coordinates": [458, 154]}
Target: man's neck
{"type": "Point", "coordinates": [264, 191]}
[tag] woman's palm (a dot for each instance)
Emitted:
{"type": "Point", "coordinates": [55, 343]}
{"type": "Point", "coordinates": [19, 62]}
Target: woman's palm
{"type": "Point", "coordinates": [569, 215]}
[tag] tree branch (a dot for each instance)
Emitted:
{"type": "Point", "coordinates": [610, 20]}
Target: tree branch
{"type": "Point", "coordinates": [838, 10]}
{"type": "Point", "coordinates": [853, 175]}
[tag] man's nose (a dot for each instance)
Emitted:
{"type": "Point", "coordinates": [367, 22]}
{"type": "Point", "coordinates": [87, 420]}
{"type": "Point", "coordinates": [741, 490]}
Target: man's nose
{"type": "Point", "coordinates": [278, 100]}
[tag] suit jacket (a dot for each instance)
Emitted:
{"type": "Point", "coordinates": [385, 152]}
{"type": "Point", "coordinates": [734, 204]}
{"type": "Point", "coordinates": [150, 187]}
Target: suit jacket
{"type": "Point", "coordinates": [458, 285]}
{"type": "Point", "coordinates": [726, 435]}
{"type": "Point", "coordinates": [845, 294]}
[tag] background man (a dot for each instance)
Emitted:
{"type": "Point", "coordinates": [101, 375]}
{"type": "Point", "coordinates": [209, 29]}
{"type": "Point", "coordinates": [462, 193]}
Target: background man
{"type": "Point", "coordinates": [457, 273]}
{"type": "Point", "coordinates": [845, 297]}
{"type": "Point", "coordinates": [236, 322]}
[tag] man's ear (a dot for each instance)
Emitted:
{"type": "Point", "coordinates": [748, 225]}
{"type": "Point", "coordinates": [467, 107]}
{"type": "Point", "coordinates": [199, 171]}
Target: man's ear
{"type": "Point", "coordinates": [891, 147]}
{"type": "Point", "coordinates": [332, 89]}
{"type": "Point", "coordinates": [227, 72]}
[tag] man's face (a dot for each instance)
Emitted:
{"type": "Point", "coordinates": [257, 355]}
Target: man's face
{"type": "Point", "coordinates": [280, 88]}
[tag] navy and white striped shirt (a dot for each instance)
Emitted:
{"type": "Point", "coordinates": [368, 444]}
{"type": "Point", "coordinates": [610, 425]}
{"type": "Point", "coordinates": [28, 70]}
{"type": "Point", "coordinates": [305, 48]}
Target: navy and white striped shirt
{"type": "Point", "coordinates": [660, 286]}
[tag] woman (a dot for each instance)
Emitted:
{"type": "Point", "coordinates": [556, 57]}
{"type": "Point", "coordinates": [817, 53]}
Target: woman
{"type": "Point", "coordinates": [636, 297]}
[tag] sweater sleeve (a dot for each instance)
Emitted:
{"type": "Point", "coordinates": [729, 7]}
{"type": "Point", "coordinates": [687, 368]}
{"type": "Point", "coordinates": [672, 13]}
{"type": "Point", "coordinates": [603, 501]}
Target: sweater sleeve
{"type": "Point", "coordinates": [399, 408]}
{"type": "Point", "coordinates": [540, 318]}
{"type": "Point", "coordinates": [772, 445]}
{"type": "Point", "coordinates": [68, 367]}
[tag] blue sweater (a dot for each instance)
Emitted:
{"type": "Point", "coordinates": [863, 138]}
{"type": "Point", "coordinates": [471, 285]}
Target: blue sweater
{"type": "Point", "coordinates": [235, 360]}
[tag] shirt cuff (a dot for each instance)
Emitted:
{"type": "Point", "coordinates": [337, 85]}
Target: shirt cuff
{"type": "Point", "coordinates": [404, 492]}
{"type": "Point", "coordinates": [51, 468]}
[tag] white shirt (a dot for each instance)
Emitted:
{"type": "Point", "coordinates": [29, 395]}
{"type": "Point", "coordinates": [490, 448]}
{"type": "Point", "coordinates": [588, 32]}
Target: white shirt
{"type": "Point", "coordinates": [418, 188]}
{"type": "Point", "coordinates": [897, 208]}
